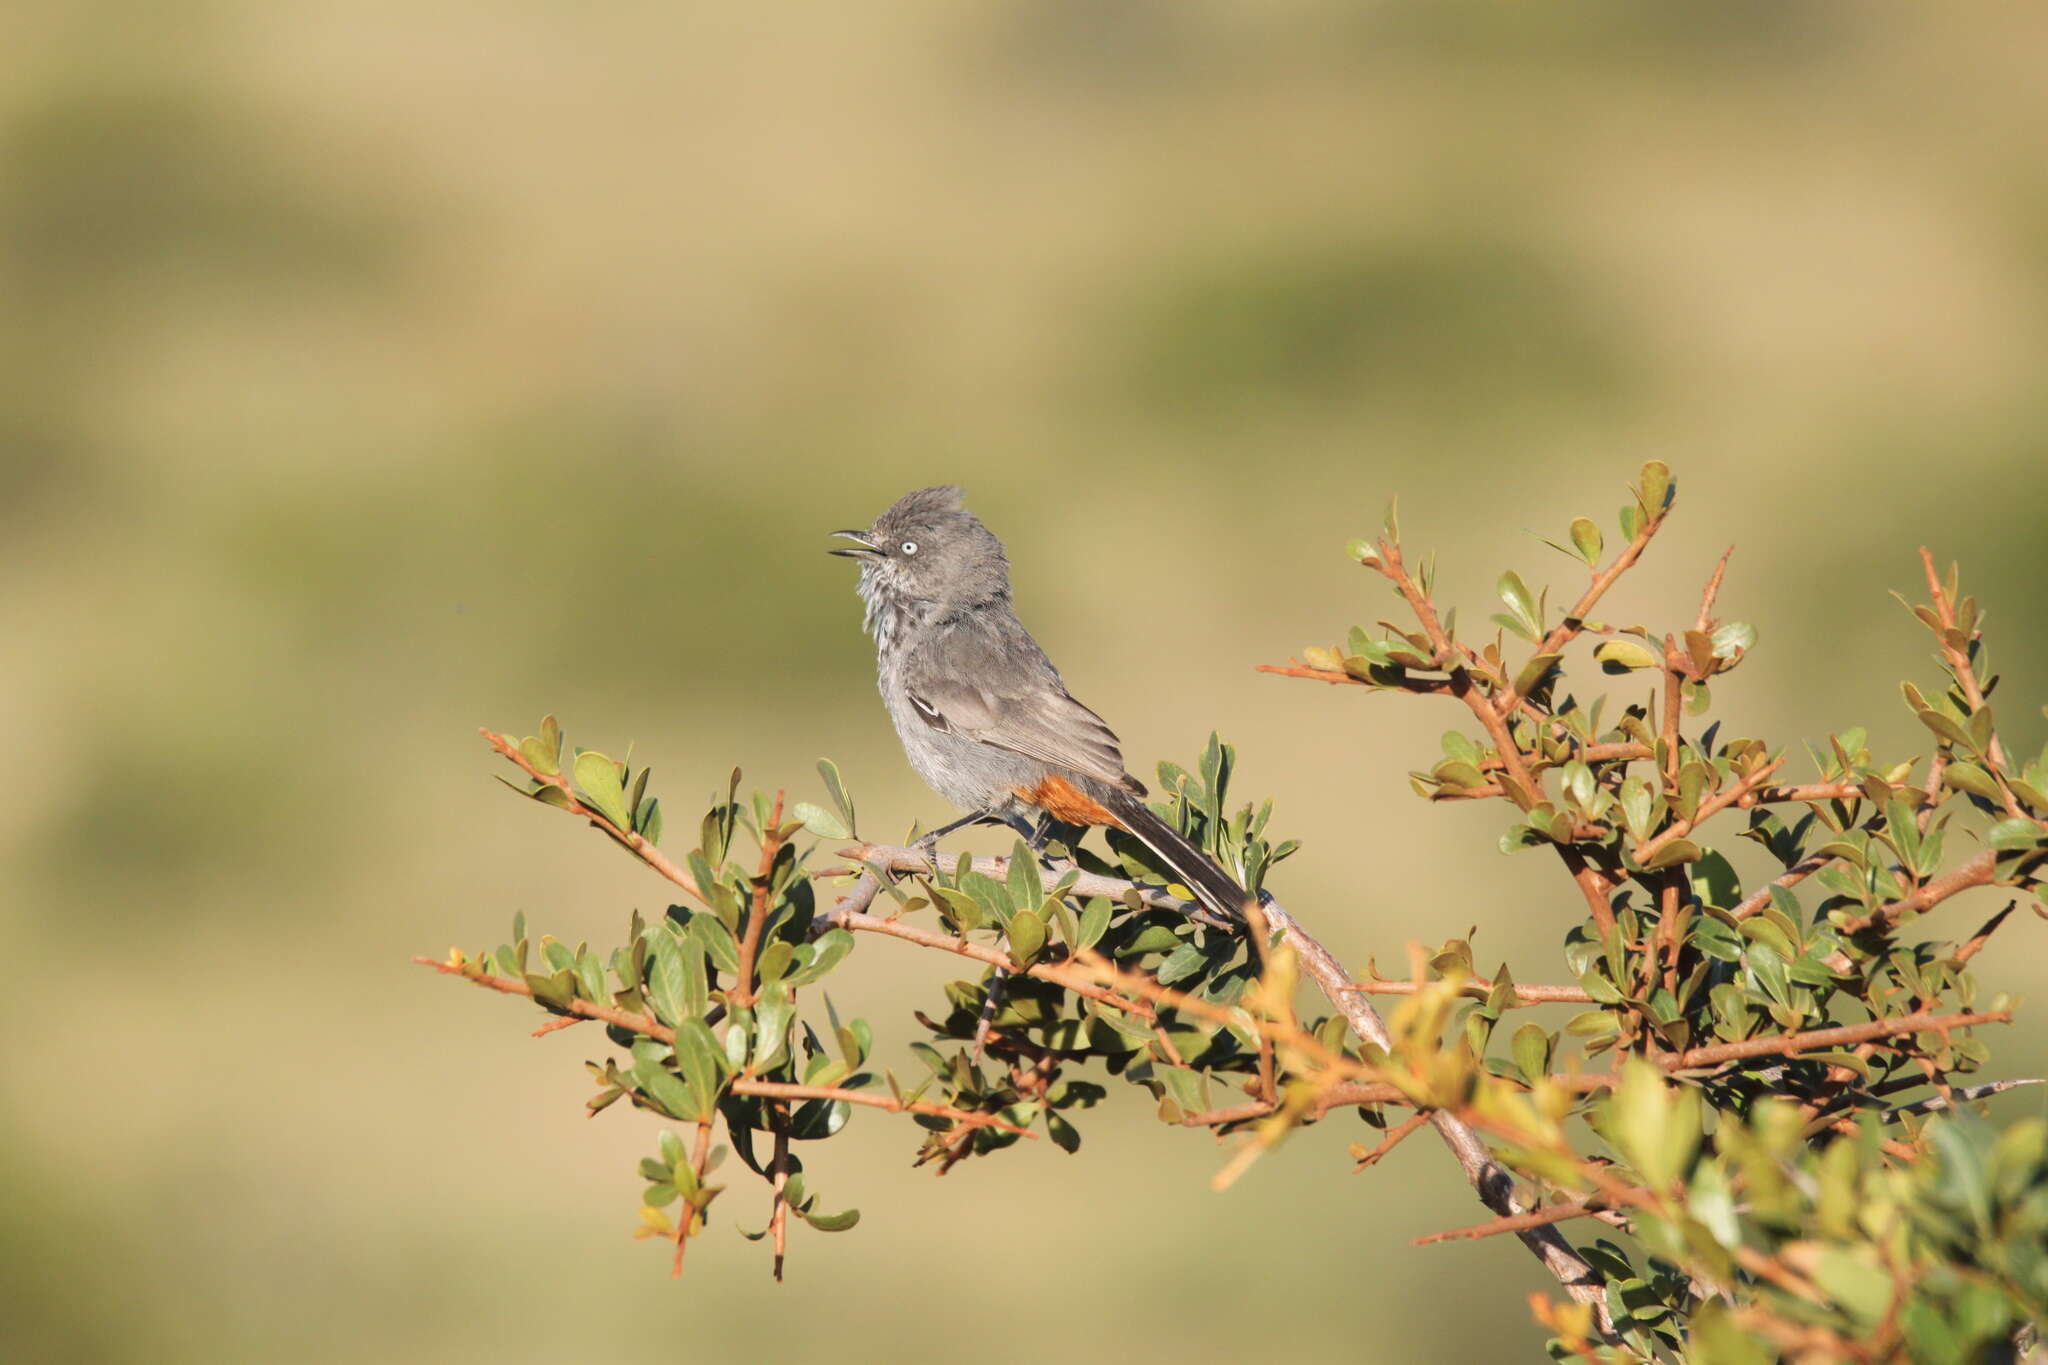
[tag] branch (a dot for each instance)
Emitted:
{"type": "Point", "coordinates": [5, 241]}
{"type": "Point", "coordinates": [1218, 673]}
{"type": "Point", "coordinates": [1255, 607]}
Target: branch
{"type": "Point", "coordinates": [1495, 1186]}
{"type": "Point", "coordinates": [1979, 871]}
{"type": "Point", "coordinates": [784, 1090]}
{"type": "Point", "coordinates": [1966, 678]}
{"type": "Point", "coordinates": [1294, 669]}
{"type": "Point", "coordinates": [1706, 616]}
{"type": "Point", "coordinates": [1847, 1035]}
{"type": "Point", "coordinates": [841, 916]}
{"type": "Point", "coordinates": [896, 858]}
{"type": "Point", "coordinates": [700, 1163]}
{"type": "Point", "coordinates": [633, 843]}
{"type": "Point", "coordinates": [1521, 1222]}
{"type": "Point", "coordinates": [1708, 809]}
{"type": "Point", "coordinates": [1790, 877]}
{"type": "Point", "coordinates": [1391, 1141]}
{"type": "Point", "coordinates": [1479, 988]}
{"type": "Point", "coordinates": [757, 922]}
{"type": "Point", "coordinates": [742, 1085]}
{"type": "Point", "coordinates": [1575, 619]}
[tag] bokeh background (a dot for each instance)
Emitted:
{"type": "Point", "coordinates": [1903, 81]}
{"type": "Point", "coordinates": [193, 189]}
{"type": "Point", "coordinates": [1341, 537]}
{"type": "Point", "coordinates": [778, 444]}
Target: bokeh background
{"type": "Point", "coordinates": [372, 371]}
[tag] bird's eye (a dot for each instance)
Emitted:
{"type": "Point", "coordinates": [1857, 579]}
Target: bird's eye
{"type": "Point", "coordinates": [909, 547]}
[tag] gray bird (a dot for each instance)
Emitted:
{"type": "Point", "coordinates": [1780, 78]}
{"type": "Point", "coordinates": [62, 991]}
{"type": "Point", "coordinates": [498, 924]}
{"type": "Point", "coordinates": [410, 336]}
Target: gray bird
{"type": "Point", "coordinates": [982, 713]}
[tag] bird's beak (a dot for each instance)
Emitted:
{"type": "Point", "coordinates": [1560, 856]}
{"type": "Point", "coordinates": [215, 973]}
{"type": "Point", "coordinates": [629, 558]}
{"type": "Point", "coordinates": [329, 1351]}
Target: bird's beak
{"type": "Point", "coordinates": [861, 546]}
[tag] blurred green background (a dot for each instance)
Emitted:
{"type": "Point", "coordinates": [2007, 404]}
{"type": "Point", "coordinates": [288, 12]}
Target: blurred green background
{"type": "Point", "coordinates": [369, 372]}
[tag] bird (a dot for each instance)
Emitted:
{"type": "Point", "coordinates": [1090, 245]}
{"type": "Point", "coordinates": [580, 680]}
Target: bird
{"type": "Point", "coordinates": [983, 714]}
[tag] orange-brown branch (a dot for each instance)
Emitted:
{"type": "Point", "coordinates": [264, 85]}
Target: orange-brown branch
{"type": "Point", "coordinates": [1979, 871]}
{"type": "Point", "coordinates": [757, 920]}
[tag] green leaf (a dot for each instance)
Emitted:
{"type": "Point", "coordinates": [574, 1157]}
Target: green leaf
{"type": "Point", "coordinates": [2016, 835]}
{"type": "Point", "coordinates": [1094, 922]}
{"type": "Point", "coordinates": [1521, 602]}
{"type": "Point", "coordinates": [831, 1222]}
{"type": "Point", "coordinates": [1026, 886]}
{"type": "Point", "coordinates": [1532, 1046]}
{"type": "Point", "coordinates": [1064, 1135]}
{"type": "Point", "coordinates": [1715, 882]}
{"type": "Point", "coordinates": [1636, 804]}
{"type": "Point", "coordinates": [1732, 637]}
{"type": "Point", "coordinates": [1944, 728]}
{"type": "Point", "coordinates": [1593, 1024]}
{"type": "Point", "coordinates": [1854, 1280]}
{"type": "Point", "coordinates": [717, 941]}
{"type": "Point", "coordinates": [1623, 655]}
{"type": "Point", "coordinates": [539, 755]}
{"type": "Point", "coordinates": [1673, 853]}
{"type": "Point", "coordinates": [825, 955]}
{"type": "Point", "coordinates": [960, 909]}
{"type": "Point", "coordinates": [597, 779]}
{"type": "Point", "coordinates": [557, 989]}
{"type": "Point", "coordinates": [821, 822]}
{"type": "Point", "coordinates": [1586, 538]}
{"type": "Point", "coordinates": [659, 1084]}
{"type": "Point", "coordinates": [1968, 777]}
{"type": "Point", "coordinates": [1657, 486]}
{"type": "Point", "coordinates": [773, 1013]}
{"type": "Point", "coordinates": [1181, 963]}
{"type": "Point", "coordinates": [829, 771]}
{"type": "Point", "coordinates": [1532, 673]}
{"type": "Point", "coordinates": [702, 1059]}
{"type": "Point", "coordinates": [1027, 937]}
{"type": "Point", "coordinates": [775, 960]}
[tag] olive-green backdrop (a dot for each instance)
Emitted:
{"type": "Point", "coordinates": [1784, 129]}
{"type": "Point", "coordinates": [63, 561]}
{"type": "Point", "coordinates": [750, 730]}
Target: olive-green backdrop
{"type": "Point", "coordinates": [371, 371]}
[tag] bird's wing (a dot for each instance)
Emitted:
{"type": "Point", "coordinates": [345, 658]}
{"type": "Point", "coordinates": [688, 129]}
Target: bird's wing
{"type": "Point", "coordinates": [999, 689]}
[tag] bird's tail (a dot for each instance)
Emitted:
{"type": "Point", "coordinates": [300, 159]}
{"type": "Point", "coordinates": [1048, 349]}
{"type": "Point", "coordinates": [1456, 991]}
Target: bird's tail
{"type": "Point", "coordinates": [1212, 886]}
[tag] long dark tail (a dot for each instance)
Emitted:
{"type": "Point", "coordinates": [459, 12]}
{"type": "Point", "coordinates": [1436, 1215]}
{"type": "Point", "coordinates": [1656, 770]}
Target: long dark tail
{"type": "Point", "coordinates": [1212, 886]}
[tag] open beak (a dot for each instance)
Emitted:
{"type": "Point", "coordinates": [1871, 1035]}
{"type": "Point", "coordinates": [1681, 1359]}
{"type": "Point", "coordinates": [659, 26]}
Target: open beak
{"type": "Point", "coordinates": [861, 546]}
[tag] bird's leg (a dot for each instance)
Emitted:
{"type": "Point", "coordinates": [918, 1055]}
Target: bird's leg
{"type": "Point", "coordinates": [989, 1006]}
{"type": "Point", "coordinates": [929, 844]}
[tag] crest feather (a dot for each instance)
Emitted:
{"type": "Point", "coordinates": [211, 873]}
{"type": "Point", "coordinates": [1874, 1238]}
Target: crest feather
{"type": "Point", "coordinates": [945, 497]}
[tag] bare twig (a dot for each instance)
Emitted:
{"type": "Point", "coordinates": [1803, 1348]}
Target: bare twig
{"type": "Point", "coordinates": [1391, 1141]}
{"type": "Point", "coordinates": [1520, 1222]}
{"type": "Point", "coordinates": [1713, 590]}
